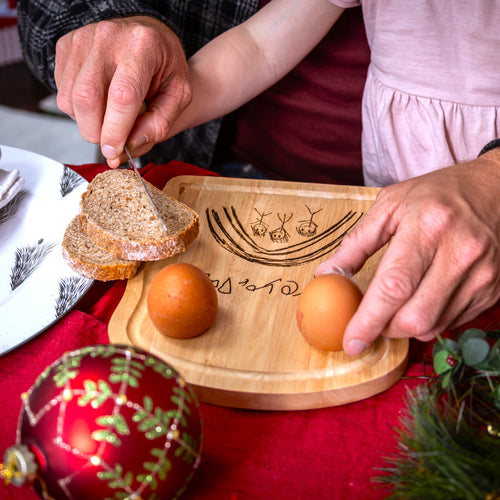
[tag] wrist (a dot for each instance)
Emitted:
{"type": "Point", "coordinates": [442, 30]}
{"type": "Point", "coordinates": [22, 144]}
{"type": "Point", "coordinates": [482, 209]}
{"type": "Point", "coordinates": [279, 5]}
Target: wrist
{"type": "Point", "coordinates": [495, 143]}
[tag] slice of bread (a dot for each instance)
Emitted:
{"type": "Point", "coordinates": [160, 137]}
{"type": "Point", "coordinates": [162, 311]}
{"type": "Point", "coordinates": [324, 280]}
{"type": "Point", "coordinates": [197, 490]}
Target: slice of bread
{"type": "Point", "coordinates": [117, 216]}
{"type": "Point", "coordinates": [87, 259]}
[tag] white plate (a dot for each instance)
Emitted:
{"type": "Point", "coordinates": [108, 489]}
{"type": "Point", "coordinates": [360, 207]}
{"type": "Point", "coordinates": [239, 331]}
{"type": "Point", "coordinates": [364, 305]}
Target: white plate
{"type": "Point", "coordinates": [36, 286]}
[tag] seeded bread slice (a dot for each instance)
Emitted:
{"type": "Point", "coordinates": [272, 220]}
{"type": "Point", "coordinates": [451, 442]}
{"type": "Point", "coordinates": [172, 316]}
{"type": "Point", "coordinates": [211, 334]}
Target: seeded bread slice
{"type": "Point", "coordinates": [116, 214]}
{"type": "Point", "coordinates": [89, 260]}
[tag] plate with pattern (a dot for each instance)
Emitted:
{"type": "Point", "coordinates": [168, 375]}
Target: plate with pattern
{"type": "Point", "coordinates": [36, 286]}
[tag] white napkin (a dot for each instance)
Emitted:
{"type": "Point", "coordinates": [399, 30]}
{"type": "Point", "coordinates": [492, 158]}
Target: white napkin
{"type": "Point", "coordinates": [10, 184]}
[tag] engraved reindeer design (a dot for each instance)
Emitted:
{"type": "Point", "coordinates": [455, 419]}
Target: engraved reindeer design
{"type": "Point", "coordinates": [259, 227]}
{"type": "Point", "coordinates": [308, 227]}
{"type": "Point", "coordinates": [280, 234]}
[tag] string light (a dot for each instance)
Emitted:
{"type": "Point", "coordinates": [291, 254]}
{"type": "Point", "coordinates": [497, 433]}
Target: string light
{"type": "Point", "coordinates": [67, 395]}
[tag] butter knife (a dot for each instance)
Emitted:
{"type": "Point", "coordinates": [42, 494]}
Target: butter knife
{"type": "Point", "coordinates": [136, 170]}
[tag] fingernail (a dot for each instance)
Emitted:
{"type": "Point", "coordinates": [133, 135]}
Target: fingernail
{"type": "Point", "coordinates": [114, 163]}
{"type": "Point", "coordinates": [139, 142]}
{"type": "Point", "coordinates": [327, 268]}
{"type": "Point", "coordinates": [355, 347]}
{"type": "Point", "coordinates": [108, 152]}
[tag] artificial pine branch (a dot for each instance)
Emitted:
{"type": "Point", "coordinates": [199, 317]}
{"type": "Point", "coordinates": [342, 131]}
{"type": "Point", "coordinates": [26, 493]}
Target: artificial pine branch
{"type": "Point", "coordinates": [449, 442]}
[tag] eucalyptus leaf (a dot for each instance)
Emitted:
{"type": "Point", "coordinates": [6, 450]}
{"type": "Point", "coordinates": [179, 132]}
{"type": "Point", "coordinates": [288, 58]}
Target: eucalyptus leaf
{"type": "Point", "coordinates": [494, 356]}
{"type": "Point", "coordinates": [446, 345]}
{"type": "Point", "coordinates": [475, 350]}
{"type": "Point", "coordinates": [451, 345]}
{"type": "Point", "coordinates": [471, 333]}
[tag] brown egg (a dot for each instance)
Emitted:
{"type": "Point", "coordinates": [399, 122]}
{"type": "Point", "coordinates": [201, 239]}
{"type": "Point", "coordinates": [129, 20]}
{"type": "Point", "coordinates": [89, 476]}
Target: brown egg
{"type": "Point", "coordinates": [182, 301]}
{"type": "Point", "coordinates": [324, 309]}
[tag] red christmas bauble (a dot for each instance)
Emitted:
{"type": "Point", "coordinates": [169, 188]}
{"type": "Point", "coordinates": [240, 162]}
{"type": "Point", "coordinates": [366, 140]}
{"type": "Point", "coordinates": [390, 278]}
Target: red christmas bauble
{"type": "Point", "coordinates": [111, 421]}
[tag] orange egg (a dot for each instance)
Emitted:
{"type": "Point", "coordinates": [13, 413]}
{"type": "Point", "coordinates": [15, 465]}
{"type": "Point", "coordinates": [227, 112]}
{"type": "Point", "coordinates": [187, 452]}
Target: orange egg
{"type": "Point", "coordinates": [182, 301]}
{"type": "Point", "coordinates": [324, 309]}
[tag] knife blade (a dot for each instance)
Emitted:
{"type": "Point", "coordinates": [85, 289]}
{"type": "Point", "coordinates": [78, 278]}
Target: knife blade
{"type": "Point", "coordinates": [136, 170]}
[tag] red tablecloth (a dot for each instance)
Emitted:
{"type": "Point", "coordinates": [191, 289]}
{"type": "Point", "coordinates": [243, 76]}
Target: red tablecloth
{"type": "Point", "coordinates": [330, 453]}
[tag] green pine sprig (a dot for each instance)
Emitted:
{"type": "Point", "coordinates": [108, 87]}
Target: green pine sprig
{"type": "Point", "coordinates": [449, 440]}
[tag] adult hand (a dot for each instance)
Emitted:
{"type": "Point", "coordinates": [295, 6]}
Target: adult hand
{"type": "Point", "coordinates": [123, 81]}
{"type": "Point", "coordinates": [441, 266]}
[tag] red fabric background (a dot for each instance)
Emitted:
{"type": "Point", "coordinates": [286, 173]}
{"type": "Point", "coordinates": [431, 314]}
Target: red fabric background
{"type": "Point", "coordinates": [330, 453]}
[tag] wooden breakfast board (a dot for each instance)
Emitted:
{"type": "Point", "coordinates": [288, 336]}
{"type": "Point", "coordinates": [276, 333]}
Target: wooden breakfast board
{"type": "Point", "coordinates": [260, 242]}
